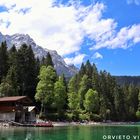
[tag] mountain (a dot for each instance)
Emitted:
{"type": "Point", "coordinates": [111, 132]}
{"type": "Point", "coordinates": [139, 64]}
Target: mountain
{"type": "Point", "coordinates": [126, 80]}
{"type": "Point", "coordinates": [59, 63]}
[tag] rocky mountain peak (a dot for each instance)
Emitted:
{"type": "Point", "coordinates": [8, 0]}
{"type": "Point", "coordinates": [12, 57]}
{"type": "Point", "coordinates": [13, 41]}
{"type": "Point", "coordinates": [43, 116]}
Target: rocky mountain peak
{"type": "Point", "coordinates": [59, 63]}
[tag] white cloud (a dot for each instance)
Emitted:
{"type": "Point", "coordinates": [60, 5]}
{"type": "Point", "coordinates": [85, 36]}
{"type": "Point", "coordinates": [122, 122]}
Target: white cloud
{"type": "Point", "coordinates": [97, 55]}
{"type": "Point", "coordinates": [62, 27]}
{"type": "Point", "coordinates": [78, 59]}
{"type": "Point", "coordinates": [50, 26]}
{"type": "Point", "coordinates": [137, 2]}
{"type": "Point", "coordinates": [125, 38]}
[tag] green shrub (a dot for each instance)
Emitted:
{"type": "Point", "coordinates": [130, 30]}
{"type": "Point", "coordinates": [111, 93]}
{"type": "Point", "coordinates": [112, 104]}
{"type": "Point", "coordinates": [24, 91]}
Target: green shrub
{"type": "Point", "coordinates": [52, 116]}
{"type": "Point", "coordinates": [138, 114]}
{"type": "Point", "coordinates": [74, 116]}
{"type": "Point", "coordinates": [84, 117]}
{"type": "Point", "coordinates": [69, 116]}
{"type": "Point", "coordinates": [95, 117]}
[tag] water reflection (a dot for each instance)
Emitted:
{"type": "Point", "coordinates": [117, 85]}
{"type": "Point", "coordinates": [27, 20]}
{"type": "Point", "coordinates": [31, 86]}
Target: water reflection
{"type": "Point", "coordinates": [66, 133]}
{"type": "Point", "coordinates": [29, 136]}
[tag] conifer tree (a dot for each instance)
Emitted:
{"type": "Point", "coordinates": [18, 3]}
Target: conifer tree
{"type": "Point", "coordinates": [38, 65]}
{"type": "Point", "coordinates": [60, 95]}
{"type": "Point", "coordinates": [83, 88]}
{"type": "Point", "coordinates": [73, 84]}
{"type": "Point", "coordinates": [82, 70]}
{"type": "Point", "coordinates": [27, 71]}
{"type": "Point", "coordinates": [64, 81]}
{"type": "Point", "coordinates": [42, 61]}
{"type": "Point", "coordinates": [138, 110]}
{"type": "Point", "coordinates": [88, 69]}
{"type": "Point", "coordinates": [88, 72]}
{"type": "Point", "coordinates": [95, 78]}
{"type": "Point", "coordinates": [103, 108]}
{"type": "Point", "coordinates": [119, 104]}
{"type": "Point", "coordinates": [9, 85]}
{"type": "Point", "coordinates": [105, 95]}
{"type": "Point", "coordinates": [73, 100]}
{"type": "Point", "coordinates": [132, 100]}
{"type": "Point", "coordinates": [12, 57]}
{"type": "Point", "coordinates": [48, 60]}
{"type": "Point", "coordinates": [3, 60]}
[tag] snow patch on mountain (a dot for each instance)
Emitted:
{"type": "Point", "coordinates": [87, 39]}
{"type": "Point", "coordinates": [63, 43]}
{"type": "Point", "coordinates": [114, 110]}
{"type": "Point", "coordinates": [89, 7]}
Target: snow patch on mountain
{"type": "Point", "coordinates": [59, 63]}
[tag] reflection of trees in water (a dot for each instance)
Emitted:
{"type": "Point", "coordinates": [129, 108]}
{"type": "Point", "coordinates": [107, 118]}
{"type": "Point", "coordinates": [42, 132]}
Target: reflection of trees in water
{"type": "Point", "coordinates": [29, 136]}
{"type": "Point", "coordinates": [6, 135]}
{"type": "Point", "coordinates": [26, 133]}
{"type": "Point", "coordinates": [15, 134]}
{"type": "Point", "coordinates": [3, 138]}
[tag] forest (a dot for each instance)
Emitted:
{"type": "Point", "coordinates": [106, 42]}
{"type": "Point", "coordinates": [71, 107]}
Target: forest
{"type": "Point", "coordinates": [91, 94]}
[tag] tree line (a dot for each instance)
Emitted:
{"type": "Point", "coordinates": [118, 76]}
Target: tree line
{"type": "Point", "coordinates": [123, 80]}
{"type": "Point", "coordinates": [88, 95]}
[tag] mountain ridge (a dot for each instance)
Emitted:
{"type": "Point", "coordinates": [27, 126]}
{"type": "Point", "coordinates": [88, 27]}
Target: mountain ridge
{"type": "Point", "coordinates": [59, 63]}
{"type": "Point", "coordinates": [127, 80]}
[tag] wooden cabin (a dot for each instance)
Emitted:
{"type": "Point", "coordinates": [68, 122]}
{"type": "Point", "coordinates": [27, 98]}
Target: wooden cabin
{"type": "Point", "coordinates": [18, 109]}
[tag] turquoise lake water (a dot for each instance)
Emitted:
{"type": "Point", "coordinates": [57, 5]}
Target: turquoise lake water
{"type": "Point", "coordinates": [124, 132]}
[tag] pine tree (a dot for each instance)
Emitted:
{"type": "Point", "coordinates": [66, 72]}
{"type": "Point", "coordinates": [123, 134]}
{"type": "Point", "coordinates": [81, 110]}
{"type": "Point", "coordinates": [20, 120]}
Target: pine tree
{"type": "Point", "coordinates": [126, 101]}
{"type": "Point", "coordinates": [3, 60]}
{"type": "Point", "coordinates": [103, 86]}
{"type": "Point", "coordinates": [27, 71]}
{"type": "Point", "coordinates": [73, 100]}
{"type": "Point", "coordinates": [65, 82]}
{"type": "Point", "coordinates": [139, 101]}
{"type": "Point", "coordinates": [132, 100]}
{"type": "Point", "coordinates": [119, 104]}
{"type": "Point", "coordinates": [48, 60]}
{"type": "Point", "coordinates": [83, 88]}
{"type": "Point", "coordinates": [42, 62]}
{"type": "Point", "coordinates": [9, 86]}
{"type": "Point", "coordinates": [95, 78]}
{"type": "Point", "coordinates": [38, 65]}
{"type": "Point", "coordinates": [88, 69]}
{"type": "Point", "coordinates": [82, 70]}
{"type": "Point", "coordinates": [60, 95]}
{"type": "Point", "coordinates": [5, 89]}
{"type": "Point", "coordinates": [138, 110]}
{"type": "Point", "coordinates": [103, 108]}
{"type": "Point", "coordinates": [73, 84]}
{"type": "Point", "coordinates": [88, 72]}
{"type": "Point", "coordinates": [107, 85]}
{"type": "Point", "coordinates": [12, 57]}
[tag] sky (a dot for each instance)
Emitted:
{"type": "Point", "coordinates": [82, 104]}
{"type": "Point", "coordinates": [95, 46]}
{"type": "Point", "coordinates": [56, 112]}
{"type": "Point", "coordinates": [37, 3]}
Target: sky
{"type": "Point", "coordinates": [107, 32]}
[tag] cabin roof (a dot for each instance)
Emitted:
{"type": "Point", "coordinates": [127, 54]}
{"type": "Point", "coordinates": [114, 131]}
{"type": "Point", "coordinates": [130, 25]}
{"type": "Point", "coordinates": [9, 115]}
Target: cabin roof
{"type": "Point", "coordinates": [12, 98]}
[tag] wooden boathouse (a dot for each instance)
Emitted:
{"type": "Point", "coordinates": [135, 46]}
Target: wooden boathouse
{"type": "Point", "coordinates": [17, 109]}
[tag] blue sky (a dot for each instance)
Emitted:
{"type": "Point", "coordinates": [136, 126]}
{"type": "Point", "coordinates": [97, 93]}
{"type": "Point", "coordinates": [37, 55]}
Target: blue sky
{"type": "Point", "coordinates": [105, 31]}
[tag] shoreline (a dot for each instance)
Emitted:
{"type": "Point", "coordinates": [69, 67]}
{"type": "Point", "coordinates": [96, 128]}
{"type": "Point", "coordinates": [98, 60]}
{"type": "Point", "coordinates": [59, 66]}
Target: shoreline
{"type": "Point", "coordinates": [62, 124]}
{"type": "Point", "coordinates": [55, 124]}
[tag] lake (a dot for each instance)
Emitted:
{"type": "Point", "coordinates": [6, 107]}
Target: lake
{"type": "Point", "coordinates": [125, 132]}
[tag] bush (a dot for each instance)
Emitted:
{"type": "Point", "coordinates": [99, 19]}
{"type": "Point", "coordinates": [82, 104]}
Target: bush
{"type": "Point", "coordinates": [138, 114]}
{"type": "Point", "coordinates": [95, 117]}
{"type": "Point", "coordinates": [69, 116]}
{"type": "Point", "coordinates": [52, 116]}
{"type": "Point", "coordinates": [74, 116]}
{"type": "Point", "coordinates": [84, 117]}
